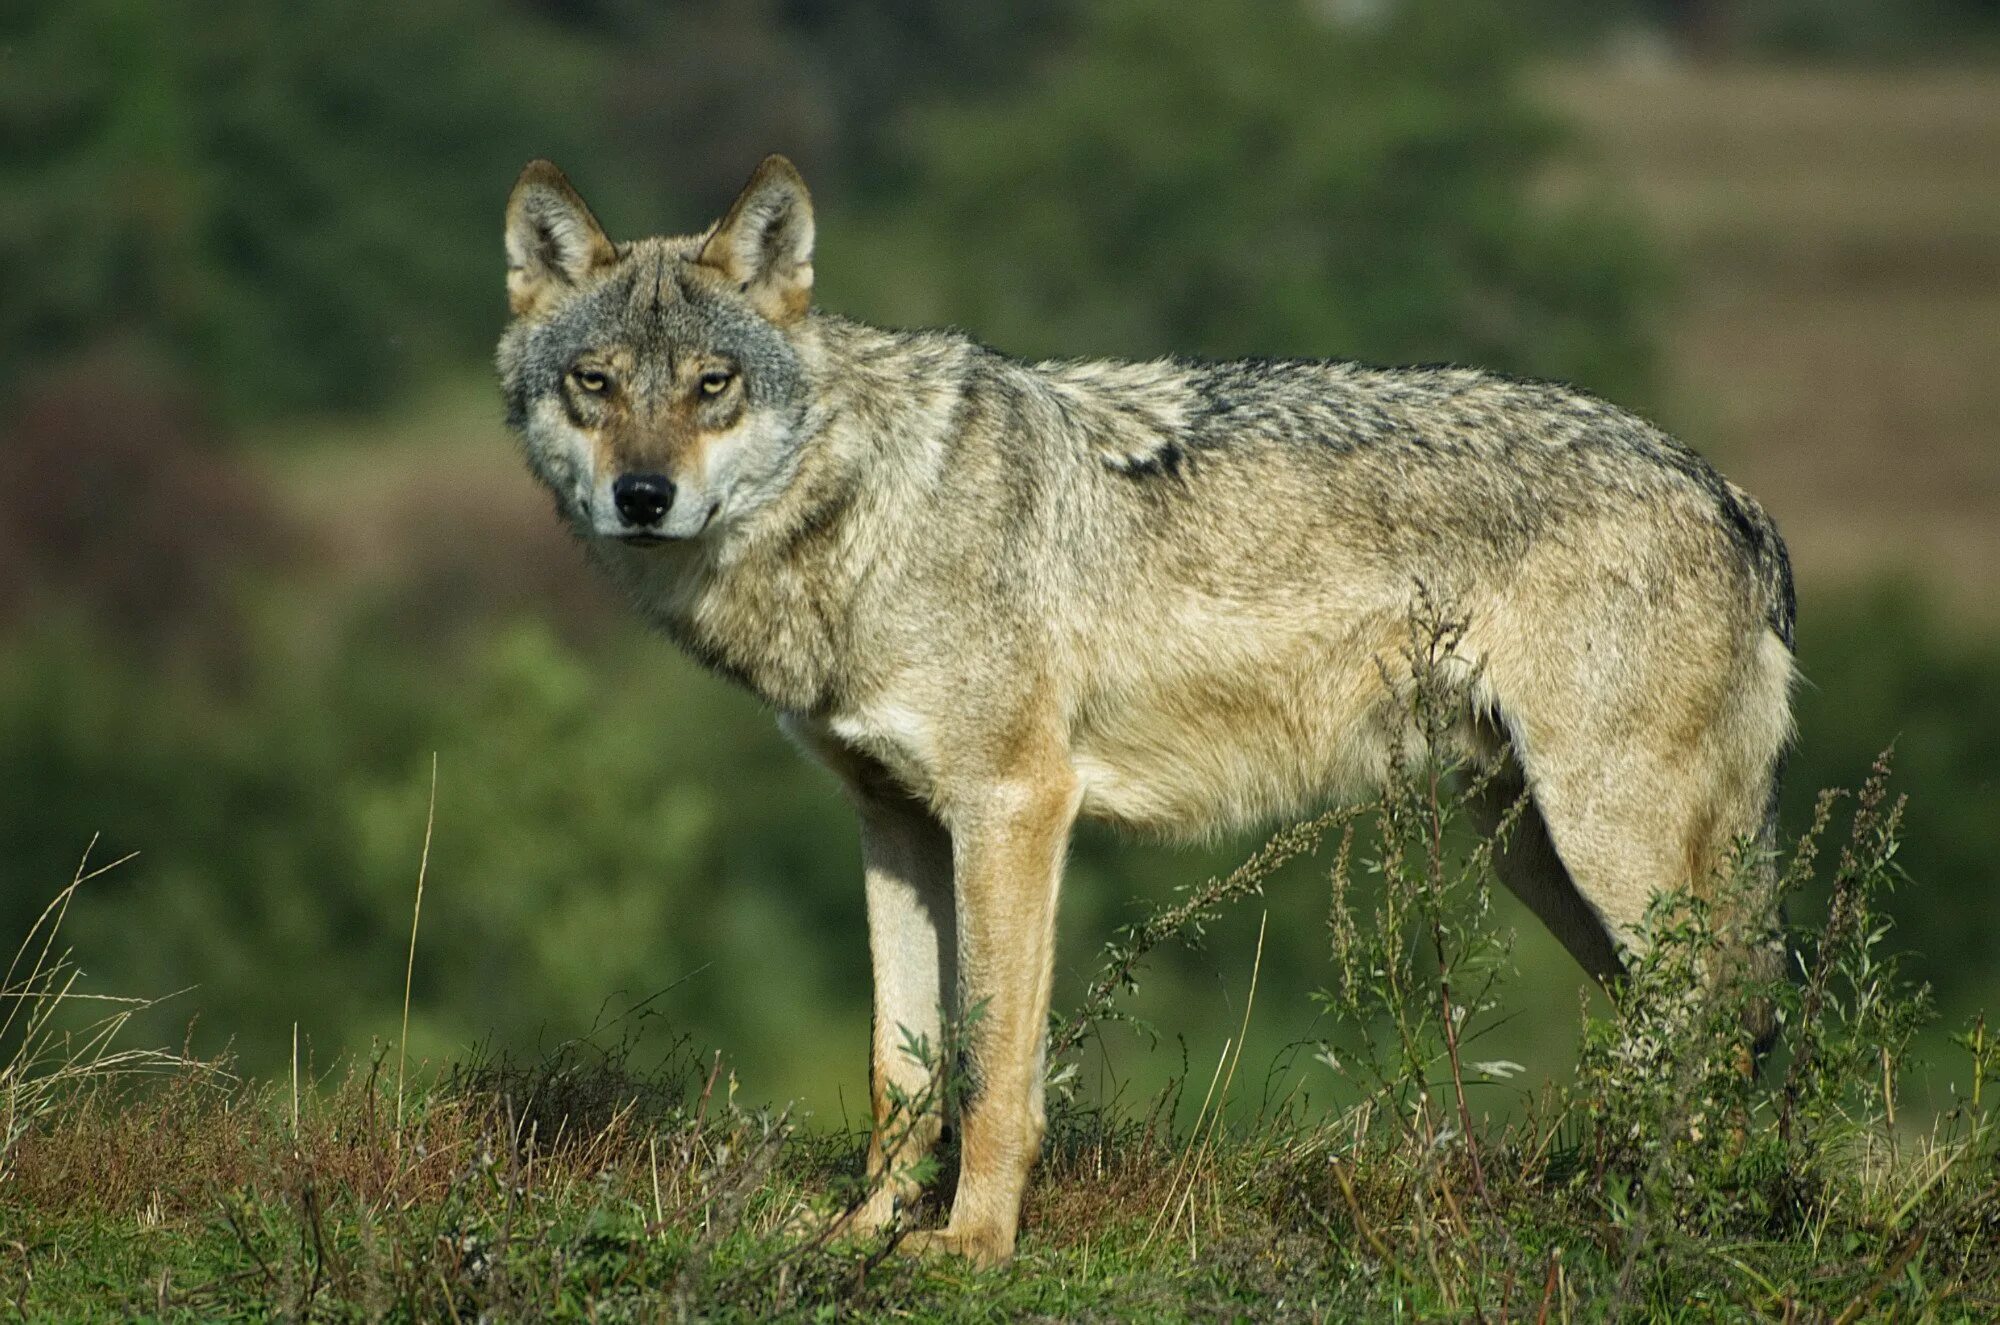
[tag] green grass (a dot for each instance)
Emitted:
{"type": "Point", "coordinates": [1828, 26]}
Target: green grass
{"type": "Point", "coordinates": [204, 1205]}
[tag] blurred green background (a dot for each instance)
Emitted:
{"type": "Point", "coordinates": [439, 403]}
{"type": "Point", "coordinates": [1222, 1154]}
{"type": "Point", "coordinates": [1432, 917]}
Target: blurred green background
{"type": "Point", "coordinates": [265, 547]}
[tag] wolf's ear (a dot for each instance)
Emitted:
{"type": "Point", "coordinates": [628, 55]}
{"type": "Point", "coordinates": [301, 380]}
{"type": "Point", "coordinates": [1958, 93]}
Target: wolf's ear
{"type": "Point", "coordinates": [765, 244]}
{"type": "Point", "coordinates": [552, 239]}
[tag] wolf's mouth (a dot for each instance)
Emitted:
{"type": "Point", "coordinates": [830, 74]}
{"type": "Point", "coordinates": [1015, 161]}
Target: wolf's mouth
{"type": "Point", "coordinates": [647, 538]}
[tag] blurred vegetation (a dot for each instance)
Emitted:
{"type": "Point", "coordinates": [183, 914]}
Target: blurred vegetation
{"type": "Point", "coordinates": [209, 221]}
{"type": "Point", "coordinates": [299, 211]}
{"type": "Point", "coordinates": [1358, 191]}
{"type": "Point", "coordinates": [284, 201]}
{"type": "Point", "coordinates": [1857, 30]}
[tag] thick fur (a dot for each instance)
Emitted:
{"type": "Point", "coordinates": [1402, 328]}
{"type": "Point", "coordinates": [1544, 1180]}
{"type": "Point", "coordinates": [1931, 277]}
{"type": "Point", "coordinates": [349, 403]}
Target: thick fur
{"type": "Point", "coordinates": [994, 596]}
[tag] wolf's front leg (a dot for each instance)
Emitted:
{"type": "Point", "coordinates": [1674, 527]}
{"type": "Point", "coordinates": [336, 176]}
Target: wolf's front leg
{"type": "Point", "coordinates": [1010, 842]}
{"type": "Point", "coordinates": [906, 854]}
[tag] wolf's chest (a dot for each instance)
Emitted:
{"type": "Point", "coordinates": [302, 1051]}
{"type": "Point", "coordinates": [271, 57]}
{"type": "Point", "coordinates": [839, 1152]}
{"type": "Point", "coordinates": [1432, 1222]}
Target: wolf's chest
{"type": "Point", "coordinates": [898, 737]}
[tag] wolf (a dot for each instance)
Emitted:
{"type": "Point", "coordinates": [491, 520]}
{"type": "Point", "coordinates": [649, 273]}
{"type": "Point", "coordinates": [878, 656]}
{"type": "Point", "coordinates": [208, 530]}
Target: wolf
{"type": "Point", "coordinates": [994, 596]}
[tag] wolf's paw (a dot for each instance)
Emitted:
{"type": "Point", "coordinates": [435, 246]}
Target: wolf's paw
{"type": "Point", "coordinates": [985, 1248]}
{"type": "Point", "coordinates": [856, 1223]}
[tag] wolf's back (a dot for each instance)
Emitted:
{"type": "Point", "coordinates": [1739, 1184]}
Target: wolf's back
{"type": "Point", "coordinates": [1420, 451]}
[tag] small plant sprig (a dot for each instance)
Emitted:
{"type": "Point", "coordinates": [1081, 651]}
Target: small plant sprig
{"type": "Point", "coordinates": [1414, 980]}
{"type": "Point", "coordinates": [1853, 1013]}
{"type": "Point", "coordinates": [1186, 921]}
{"type": "Point", "coordinates": [1688, 1134]}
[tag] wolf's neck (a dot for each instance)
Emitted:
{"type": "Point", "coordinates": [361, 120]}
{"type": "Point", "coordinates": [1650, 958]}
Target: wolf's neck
{"type": "Point", "coordinates": [878, 391]}
{"type": "Point", "coordinates": [773, 606]}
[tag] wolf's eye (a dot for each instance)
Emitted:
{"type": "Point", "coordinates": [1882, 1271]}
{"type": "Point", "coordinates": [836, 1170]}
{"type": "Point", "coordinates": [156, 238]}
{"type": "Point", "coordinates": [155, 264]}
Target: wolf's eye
{"type": "Point", "coordinates": [716, 381]}
{"type": "Point", "coordinates": [591, 380]}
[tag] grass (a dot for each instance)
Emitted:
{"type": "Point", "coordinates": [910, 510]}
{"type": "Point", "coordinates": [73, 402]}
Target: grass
{"type": "Point", "coordinates": [205, 1203]}
{"type": "Point", "coordinates": [612, 1180]}
{"type": "Point", "coordinates": [52, 1053]}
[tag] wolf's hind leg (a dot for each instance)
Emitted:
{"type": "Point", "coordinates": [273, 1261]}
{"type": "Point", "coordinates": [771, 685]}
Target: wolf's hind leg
{"type": "Point", "coordinates": [1638, 820]}
{"type": "Point", "coordinates": [1526, 861]}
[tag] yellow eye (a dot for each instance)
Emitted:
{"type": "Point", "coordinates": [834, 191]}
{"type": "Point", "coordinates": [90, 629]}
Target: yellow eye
{"type": "Point", "coordinates": [591, 380]}
{"type": "Point", "coordinates": [716, 381]}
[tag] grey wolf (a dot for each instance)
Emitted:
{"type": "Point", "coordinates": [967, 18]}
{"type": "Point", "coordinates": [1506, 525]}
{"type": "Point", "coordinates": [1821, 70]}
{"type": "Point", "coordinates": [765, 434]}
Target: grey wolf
{"type": "Point", "coordinates": [994, 596]}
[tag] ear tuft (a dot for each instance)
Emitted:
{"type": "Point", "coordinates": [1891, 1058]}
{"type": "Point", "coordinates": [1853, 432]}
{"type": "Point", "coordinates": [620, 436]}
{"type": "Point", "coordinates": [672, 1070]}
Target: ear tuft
{"type": "Point", "coordinates": [552, 239]}
{"type": "Point", "coordinates": [765, 245]}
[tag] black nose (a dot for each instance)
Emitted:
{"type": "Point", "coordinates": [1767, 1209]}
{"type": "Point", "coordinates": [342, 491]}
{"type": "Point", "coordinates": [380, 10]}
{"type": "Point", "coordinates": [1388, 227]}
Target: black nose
{"type": "Point", "coordinates": [642, 499]}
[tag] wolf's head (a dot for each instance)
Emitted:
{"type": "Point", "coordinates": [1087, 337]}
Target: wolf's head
{"type": "Point", "coordinates": [656, 384]}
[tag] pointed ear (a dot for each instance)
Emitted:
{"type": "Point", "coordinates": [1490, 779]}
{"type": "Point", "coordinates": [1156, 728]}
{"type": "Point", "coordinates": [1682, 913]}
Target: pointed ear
{"type": "Point", "coordinates": [552, 239]}
{"type": "Point", "coordinates": [765, 245]}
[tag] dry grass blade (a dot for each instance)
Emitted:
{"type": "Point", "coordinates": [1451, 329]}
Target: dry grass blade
{"type": "Point", "coordinates": [1206, 1124]}
{"type": "Point", "coordinates": [51, 1059]}
{"type": "Point", "coordinates": [410, 966]}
